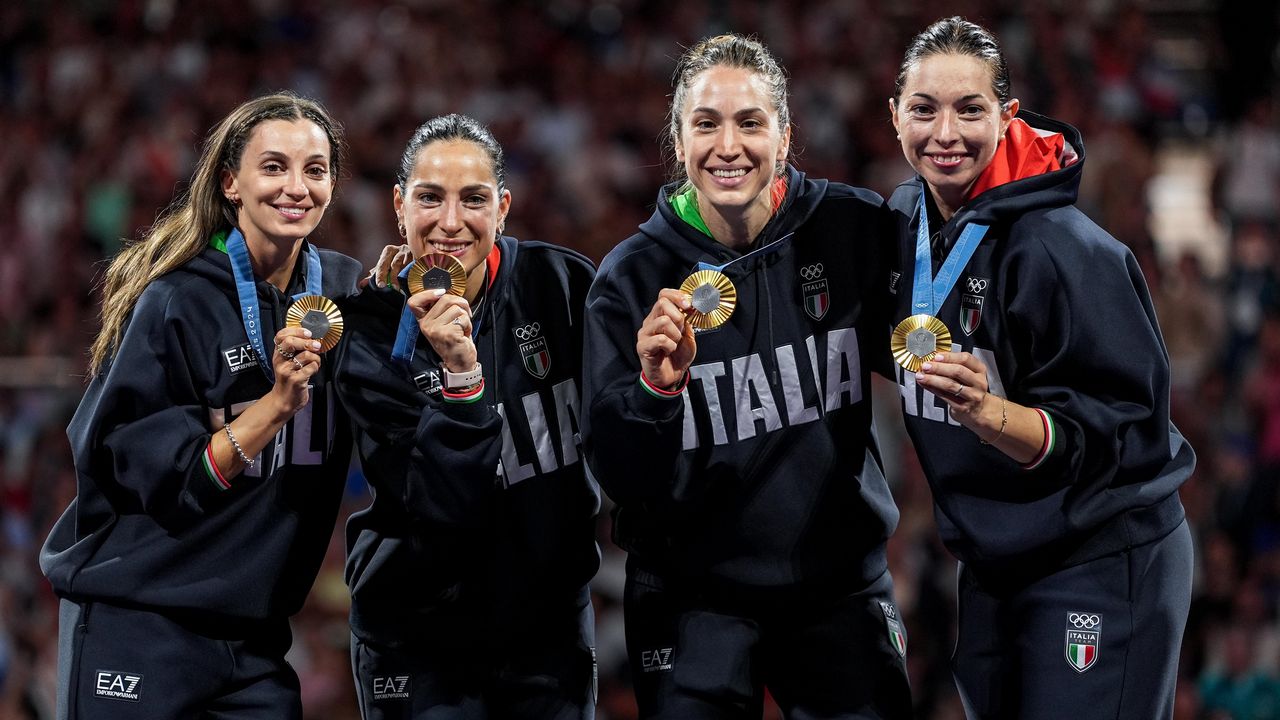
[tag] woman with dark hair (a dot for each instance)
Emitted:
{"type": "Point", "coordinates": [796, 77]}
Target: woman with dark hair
{"type": "Point", "coordinates": [1036, 391]}
{"type": "Point", "coordinates": [749, 490]}
{"type": "Point", "coordinates": [469, 571]}
{"type": "Point", "coordinates": [210, 459]}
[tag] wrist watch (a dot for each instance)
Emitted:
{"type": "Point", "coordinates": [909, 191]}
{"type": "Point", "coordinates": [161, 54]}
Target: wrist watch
{"type": "Point", "coordinates": [462, 380]}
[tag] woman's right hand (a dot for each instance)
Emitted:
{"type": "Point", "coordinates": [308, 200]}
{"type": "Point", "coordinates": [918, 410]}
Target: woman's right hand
{"type": "Point", "coordinates": [665, 342]}
{"type": "Point", "coordinates": [445, 321]}
{"type": "Point", "coordinates": [391, 261]}
{"type": "Point", "coordinates": [295, 359]}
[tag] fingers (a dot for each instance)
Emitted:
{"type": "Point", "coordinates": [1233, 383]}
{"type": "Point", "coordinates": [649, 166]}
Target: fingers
{"type": "Point", "coordinates": [958, 378]}
{"type": "Point", "coordinates": [391, 261]}
{"type": "Point", "coordinates": [668, 315]}
{"type": "Point", "coordinates": [421, 303]}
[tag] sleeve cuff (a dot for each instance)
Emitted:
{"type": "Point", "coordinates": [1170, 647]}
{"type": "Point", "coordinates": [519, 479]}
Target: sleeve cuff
{"type": "Point", "coordinates": [658, 392]}
{"type": "Point", "coordinates": [1050, 441]}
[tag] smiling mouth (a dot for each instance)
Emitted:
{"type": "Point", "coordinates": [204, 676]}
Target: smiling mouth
{"type": "Point", "coordinates": [737, 172]}
{"type": "Point", "coordinates": [293, 213]}
{"type": "Point", "coordinates": [946, 161]}
{"type": "Point", "coordinates": [449, 247]}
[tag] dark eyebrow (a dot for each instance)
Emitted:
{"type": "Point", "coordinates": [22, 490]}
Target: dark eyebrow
{"type": "Point", "coordinates": [277, 154]}
{"type": "Point", "coordinates": [966, 98]}
{"type": "Point", "coordinates": [424, 185]}
{"type": "Point", "coordinates": [739, 113]}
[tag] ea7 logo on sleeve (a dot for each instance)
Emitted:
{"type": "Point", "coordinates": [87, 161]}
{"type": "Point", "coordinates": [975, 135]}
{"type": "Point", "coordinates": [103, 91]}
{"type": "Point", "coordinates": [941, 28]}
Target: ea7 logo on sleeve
{"type": "Point", "coordinates": [117, 685]}
{"type": "Point", "coordinates": [655, 660]}
{"type": "Point", "coordinates": [391, 687]}
{"type": "Point", "coordinates": [1084, 635]}
{"type": "Point", "coordinates": [240, 358]}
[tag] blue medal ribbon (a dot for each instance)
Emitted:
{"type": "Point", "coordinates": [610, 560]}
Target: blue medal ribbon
{"type": "Point", "coordinates": [246, 290]}
{"type": "Point", "coordinates": [928, 293]}
{"type": "Point", "coordinates": [764, 250]}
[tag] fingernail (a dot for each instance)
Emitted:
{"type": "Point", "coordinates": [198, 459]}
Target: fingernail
{"type": "Point", "coordinates": [686, 303]}
{"type": "Point", "coordinates": [938, 357]}
{"type": "Point", "coordinates": [926, 367]}
{"type": "Point", "coordinates": [315, 344]}
{"type": "Point", "coordinates": [919, 376]}
{"type": "Point", "coordinates": [438, 292]}
{"type": "Point", "coordinates": [306, 332]}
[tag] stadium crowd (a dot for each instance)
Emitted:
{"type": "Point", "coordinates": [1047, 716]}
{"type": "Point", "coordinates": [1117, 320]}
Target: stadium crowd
{"type": "Point", "coordinates": [102, 103]}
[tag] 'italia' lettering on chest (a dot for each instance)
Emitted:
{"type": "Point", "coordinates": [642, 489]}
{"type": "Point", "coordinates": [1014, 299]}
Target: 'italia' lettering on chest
{"type": "Point", "coordinates": [305, 440]}
{"type": "Point", "coordinates": [538, 440]}
{"type": "Point", "coordinates": [741, 401]}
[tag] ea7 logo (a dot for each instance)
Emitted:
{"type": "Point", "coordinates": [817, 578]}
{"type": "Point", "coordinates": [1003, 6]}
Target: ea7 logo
{"type": "Point", "coordinates": [655, 660]}
{"type": "Point", "coordinates": [240, 358]}
{"type": "Point", "coordinates": [391, 687]}
{"type": "Point", "coordinates": [117, 685]}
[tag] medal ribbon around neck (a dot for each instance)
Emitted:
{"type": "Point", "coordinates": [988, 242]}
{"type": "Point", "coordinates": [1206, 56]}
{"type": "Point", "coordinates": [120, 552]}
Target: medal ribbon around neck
{"type": "Point", "coordinates": [722, 292]}
{"type": "Point", "coordinates": [247, 291]}
{"type": "Point", "coordinates": [922, 334]}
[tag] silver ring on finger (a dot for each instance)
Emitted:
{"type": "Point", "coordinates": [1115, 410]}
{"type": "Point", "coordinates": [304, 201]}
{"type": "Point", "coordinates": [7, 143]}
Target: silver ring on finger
{"type": "Point", "coordinates": [296, 362]}
{"type": "Point", "coordinates": [457, 321]}
{"type": "Point", "coordinates": [285, 353]}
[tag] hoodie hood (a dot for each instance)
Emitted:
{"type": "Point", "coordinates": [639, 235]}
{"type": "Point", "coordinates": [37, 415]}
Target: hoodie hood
{"type": "Point", "coordinates": [1056, 188]}
{"type": "Point", "coordinates": [683, 240]}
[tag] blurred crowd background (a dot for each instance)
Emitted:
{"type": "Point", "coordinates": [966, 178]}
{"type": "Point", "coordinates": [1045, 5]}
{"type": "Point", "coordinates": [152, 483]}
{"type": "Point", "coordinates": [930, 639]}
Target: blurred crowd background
{"type": "Point", "coordinates": [103, 104]}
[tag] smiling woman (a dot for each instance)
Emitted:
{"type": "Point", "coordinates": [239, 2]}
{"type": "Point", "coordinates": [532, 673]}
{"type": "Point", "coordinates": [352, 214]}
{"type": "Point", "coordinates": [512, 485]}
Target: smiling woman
{"type": "Point", "coordinates": [209, 458]}
{"type": "Point", "coordinates": [469, 571]}
{"type": "Point", "coordinates": [1038, 402]}
{"type": "Point", "coordinates": [752, 505]}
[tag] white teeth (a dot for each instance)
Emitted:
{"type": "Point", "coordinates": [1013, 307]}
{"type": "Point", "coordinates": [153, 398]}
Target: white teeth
{"type": "Point", "coordinates": [729, 173]}
{"type": "Point", "coordinates": [948, 160]}
{"type": "Point", "coordinates": [293, 211]}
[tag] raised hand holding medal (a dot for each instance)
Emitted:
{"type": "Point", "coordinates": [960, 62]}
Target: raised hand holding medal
{"type": "Point", "coordinates": [918, 337]}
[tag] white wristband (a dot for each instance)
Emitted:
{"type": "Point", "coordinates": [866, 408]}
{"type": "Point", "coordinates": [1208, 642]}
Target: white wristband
{"type": "Point", "coordinates": [457, 381]}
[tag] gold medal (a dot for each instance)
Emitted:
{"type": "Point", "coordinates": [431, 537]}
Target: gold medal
{"type": "Point", "coordinates": [318, 314]}
{"type": "Point", "coordinates": [437, 271]}
{"type": "Point", "coordinates": [713, 296]}
{"type": "Point", "coordinates": [916, 339]}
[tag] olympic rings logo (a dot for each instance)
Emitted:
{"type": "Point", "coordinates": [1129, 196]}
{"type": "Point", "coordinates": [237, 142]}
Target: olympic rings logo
{"type": "Point", "coordinates": [528, 332]}
{"type": "Point", "coordinates": [977, 285]}
{"type": "Point", "coordinates": [811, 272]}
{"type": "Point", "coordinates": [1084, 621]}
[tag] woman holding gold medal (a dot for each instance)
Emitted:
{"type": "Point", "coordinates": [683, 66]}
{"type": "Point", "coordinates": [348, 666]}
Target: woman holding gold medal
{"type": "Point", "coordinates": [210, 456]}
{"type": "Point", "coordinates": [727, 413]}
{"type": "Point", "coordinates": [469, 571]}
{"type": "Point", "coordinates": [1036, 391]}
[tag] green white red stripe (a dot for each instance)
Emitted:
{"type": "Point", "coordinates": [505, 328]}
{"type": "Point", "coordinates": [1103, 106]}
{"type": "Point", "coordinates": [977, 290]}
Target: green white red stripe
{"type": "Point", "coordinates": [1050, 438]}
{"type": "Point", "coordinates": [658, 392]}
{"type": "Point", "coordinates": [467, 397]}
{"type": "Point", "coordinates": [211, 468]}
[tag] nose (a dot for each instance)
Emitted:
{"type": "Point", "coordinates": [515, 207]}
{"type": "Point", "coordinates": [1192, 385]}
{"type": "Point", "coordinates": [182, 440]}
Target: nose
{"type": "Point", "coordinates": [295, 186]}
{"type": "Point", "coordinates": [728, 144]}
{"type": "Point", "coordinates": [947, 131]}
{"type": "Point", "coordinates": [451, 218]}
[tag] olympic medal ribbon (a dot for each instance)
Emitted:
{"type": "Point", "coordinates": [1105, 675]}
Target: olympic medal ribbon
{"type": "Point", "coordinates": [713, 294]}
{"type": "Point", "coordinates": [923, 331]}
{"type": "Point", "coordinates": [247, 292]}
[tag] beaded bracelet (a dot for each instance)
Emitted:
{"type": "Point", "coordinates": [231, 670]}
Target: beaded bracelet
{"type": "Point", "coordinates": [1004, 420]}
{"type": "Point", "coordinates": [248, 462]}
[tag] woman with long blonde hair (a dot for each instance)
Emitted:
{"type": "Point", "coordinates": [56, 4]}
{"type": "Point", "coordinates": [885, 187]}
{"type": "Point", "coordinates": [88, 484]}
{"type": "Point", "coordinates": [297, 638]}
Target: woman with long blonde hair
{"type": "Point", "coordinates": [210, 458]}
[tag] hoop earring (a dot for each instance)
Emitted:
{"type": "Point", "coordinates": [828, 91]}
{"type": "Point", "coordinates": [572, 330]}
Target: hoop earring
{"type": "Point", "coordinates": [400, 228]}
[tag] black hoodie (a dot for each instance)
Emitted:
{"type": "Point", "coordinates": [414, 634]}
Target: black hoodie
{"type": "Point", "coordinates": [1059, 312]}
{"type": "Point", "coordinates": [765, 471]}
{"type": "Point", "coordinates": [148, 528]}
{"type": "Point", "coordinates": [483, 508]}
